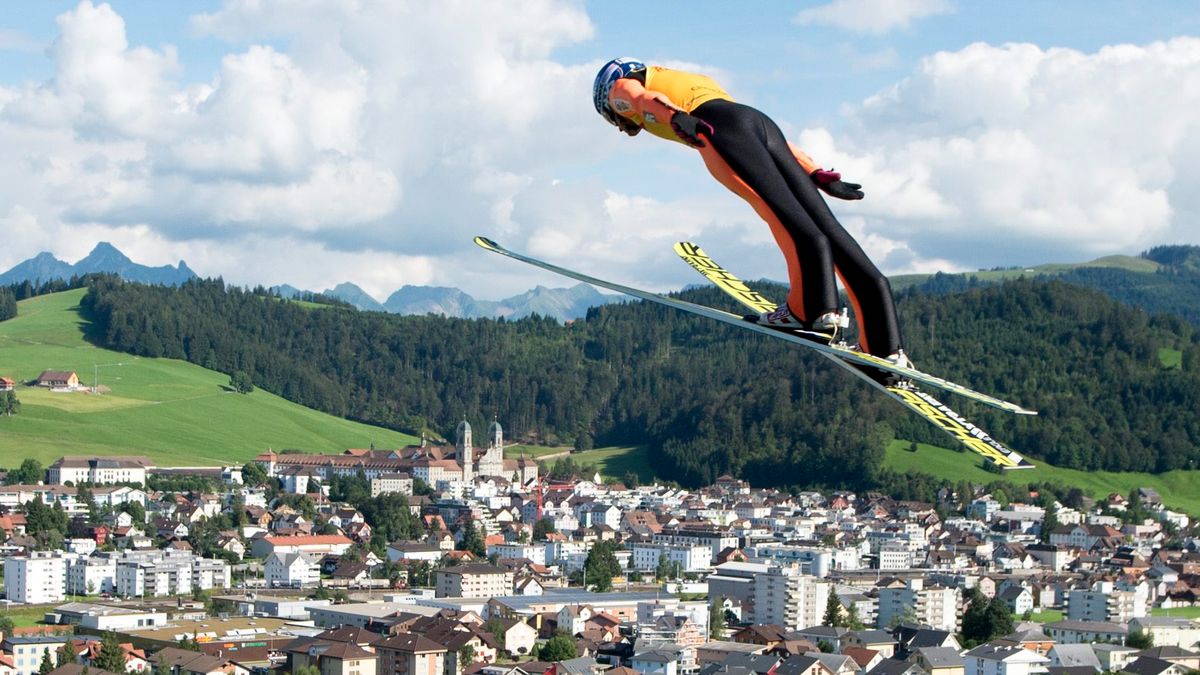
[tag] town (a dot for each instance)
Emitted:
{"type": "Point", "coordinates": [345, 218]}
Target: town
{"type": "Point", "coordinates": [443, 559]}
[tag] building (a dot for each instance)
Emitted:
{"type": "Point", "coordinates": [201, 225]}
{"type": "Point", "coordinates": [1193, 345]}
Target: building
{"type": "Point", "coordinates": [789, 598]}
{"type": "Point", "coordinates": [989, 659]}
{"type": "Point", "coordinates": [168, 572]}
{"type": "Point", "coordinates": [1169, 631]}
{"type": "Point", "coordinates": [477, 580]}
{"type": "Point", "coordinates": [323, 544]}
{"type": "Point", "coordinates": [99, 470]}
{"type": "Point", "coordinates": [933, 606]}
{"type": "Point", "coordinates": [58, 379]}
{"type": "Point", "coordinates": [689, 557]}
{"type": "Point", "coordinates": [1076, 632]}
{"type": "Point", "coordinates": [105, 617]}
{"type": "Point", "coordinates": [36, 578]}
{"type": "Point", "coordinates": [392, 483]}
{"type": "Point", "coordinates": [409, 654]}
{"type": "Point", "coordinates": [1104, 602]}
{"type": "Point", "coordinates": [28, 652]}
{"type": "Point", "coordinates": [88, 575]}
{"type": "Point", "coordinates": [292, 570]}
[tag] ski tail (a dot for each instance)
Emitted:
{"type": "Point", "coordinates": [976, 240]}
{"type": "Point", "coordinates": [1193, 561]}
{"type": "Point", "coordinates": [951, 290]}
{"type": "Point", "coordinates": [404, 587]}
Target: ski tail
{"type": "Point", "coordinates": [723, 279]}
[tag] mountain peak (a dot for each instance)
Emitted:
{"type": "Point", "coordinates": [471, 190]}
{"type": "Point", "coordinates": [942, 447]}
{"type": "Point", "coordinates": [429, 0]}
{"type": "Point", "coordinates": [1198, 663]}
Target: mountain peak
{"type": "Point", "coordinates": [104, 258]}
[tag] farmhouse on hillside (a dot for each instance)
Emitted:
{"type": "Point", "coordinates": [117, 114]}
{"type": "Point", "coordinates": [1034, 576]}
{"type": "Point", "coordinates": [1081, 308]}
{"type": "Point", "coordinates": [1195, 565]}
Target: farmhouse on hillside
{"type": "Point", "coordinates": [58, 379]}
{"type": "Point", "coordinates": [6, 383]}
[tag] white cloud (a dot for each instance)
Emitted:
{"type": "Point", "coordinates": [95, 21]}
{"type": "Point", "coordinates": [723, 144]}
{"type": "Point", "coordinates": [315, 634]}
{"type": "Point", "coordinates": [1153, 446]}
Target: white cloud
{"type": "Point", "coordinates": [1005, 152]}
{"type": "Point", "coordinates": [872, 17]}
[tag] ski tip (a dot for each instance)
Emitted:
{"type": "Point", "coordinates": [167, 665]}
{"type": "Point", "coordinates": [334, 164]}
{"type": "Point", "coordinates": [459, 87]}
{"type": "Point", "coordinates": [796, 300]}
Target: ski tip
{"type": "Point", "coordinates": [688, 248]}
{"type": "Point", "coordinates": [486, 243]}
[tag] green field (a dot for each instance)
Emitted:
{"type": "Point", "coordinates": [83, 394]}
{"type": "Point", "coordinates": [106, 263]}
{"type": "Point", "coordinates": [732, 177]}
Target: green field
{"type": "Point", "coordinates": [174, 412]}
{"type": "Point", "coordinates": [1184, 612]}
{"type": "Point", "coordinates": [25, 616]}
{"type": "Point", "coordinates": [615, 462]}
{"type": "Point", "coordinates": [1124, 262]}
{"type": "Point", "coordinates": [1178, 488]}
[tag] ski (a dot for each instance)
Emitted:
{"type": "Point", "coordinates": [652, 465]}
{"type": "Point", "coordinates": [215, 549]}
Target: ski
{"type": "Point", "coordinates": [795, 337]}
{"type": "Point", "coordinates": [907, 394]}
{"type": "Point", "coordinates": [694, 256]}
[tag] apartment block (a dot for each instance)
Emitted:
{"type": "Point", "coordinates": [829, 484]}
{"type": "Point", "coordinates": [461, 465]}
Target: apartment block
{"type": "Point", "coordinates": [473, 581]}
{"type": "Point", "coordinates": [788, 597]}
{"type": "Point", "coordinates": [37, 578]}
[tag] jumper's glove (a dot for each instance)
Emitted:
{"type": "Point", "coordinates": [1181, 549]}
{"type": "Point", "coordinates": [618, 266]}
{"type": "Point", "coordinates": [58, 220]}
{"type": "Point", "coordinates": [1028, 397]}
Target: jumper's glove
{"type": "Point", "coordinates": [689, 127]}
{"type": "Point", "coordinates": [831, 182]}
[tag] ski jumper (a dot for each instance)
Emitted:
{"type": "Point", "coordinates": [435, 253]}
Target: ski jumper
{"type": "Point", "coordinates": [749, 154]}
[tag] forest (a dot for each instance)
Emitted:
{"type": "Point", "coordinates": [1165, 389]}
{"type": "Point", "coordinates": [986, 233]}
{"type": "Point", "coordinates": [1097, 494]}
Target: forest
{"type": "Point", "coordinates": [705, 399]}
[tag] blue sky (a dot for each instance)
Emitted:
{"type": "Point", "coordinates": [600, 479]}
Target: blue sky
{"type": "Point", "coordinates": [289, 141]}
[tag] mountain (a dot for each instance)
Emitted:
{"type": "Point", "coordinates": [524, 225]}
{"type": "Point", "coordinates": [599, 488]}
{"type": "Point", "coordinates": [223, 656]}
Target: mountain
{"type": "Point", "coordinates": [563, 304]}
{"type": "Point", "coordinates": [560, 303]}
{"type": "Point", "coordinates": [430, 300]}
{"type": "Point", "coordinates": [354, 295]}
{"type": "Point", "coordinates": [104, 258]}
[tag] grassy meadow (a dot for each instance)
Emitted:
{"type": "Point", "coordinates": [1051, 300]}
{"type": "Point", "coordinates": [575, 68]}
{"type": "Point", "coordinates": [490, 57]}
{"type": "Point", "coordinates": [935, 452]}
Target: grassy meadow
{"type": "Point", "coordinates": [1178, 488]}
{"type": "Point", "coordinates": [174, 412]}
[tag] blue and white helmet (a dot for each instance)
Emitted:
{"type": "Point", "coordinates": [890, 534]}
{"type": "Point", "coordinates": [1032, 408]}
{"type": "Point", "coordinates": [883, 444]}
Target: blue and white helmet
{"type": "Point", "coordinates": [606, 78]}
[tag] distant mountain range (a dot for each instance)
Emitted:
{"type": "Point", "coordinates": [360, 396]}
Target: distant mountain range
{"type": "Point", "coordinates": [104, 258]}
{"type": "Point", "coordinates": [564, 304]}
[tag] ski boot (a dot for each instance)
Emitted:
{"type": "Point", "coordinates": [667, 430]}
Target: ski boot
{"type": "Point", "coordinates": [824, 329]}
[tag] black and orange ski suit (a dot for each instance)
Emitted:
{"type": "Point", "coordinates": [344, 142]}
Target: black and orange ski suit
{"type": "Point", "coordinates": [749, 155]}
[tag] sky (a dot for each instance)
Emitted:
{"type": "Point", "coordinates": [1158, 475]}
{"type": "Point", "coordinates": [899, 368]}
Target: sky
{"type": "Point", "coordinates": [314, 142]}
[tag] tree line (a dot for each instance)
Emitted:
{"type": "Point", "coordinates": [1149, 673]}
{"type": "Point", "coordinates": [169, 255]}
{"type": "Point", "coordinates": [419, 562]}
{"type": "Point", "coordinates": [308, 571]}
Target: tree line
{"type": "Point", "coordinates": [706, 399]}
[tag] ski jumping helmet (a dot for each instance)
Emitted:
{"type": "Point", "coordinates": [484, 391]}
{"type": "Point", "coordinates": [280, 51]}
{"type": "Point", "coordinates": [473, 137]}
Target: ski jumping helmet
{"type": "Point", "coordinates": [606, 78]}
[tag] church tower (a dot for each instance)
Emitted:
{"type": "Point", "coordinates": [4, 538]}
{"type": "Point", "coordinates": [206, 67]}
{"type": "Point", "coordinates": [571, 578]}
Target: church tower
{"type": "Point", "coordinates": [463, 450]}
{"type": "Point", "coordinates": [496, 436]}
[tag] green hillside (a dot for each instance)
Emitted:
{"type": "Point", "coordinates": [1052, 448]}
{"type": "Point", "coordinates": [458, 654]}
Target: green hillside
{"type": "Point", "coordinates": [1121, 262]}
{"type": "Point", "coordinates": [171, 411]}
{"type": "Point", "coordinates": [1178, 488]}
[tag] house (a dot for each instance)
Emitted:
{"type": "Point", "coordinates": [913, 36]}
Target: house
{"type": "Point", "coordinates": [1073, 656]}
{"type": "Point", "coordinates": [991, 659]}
{"type": "Point", "coordinates": [766, 634]}
{"type": "Point", "coordinates": [877, 640]}
{"type": "Point", "coordinates": [292, 570]}
{"type": "Point", "coordinates": [865, 659]}
{"type": "Point", "coordinates": [1168, 630]}
{"type": "Point", "coordinates": [801, 665]}
{"type": "Point", "coordinates": [263, 547]}
{"type": "Point", "coordinates": [656, 662]}
{"type": "Point", "coordinates": [409, 654]}
{"type": "Point", "coordinates": [58, 379]}
{"type": "Point", "coordinates": [897, 667]}
{"type": "Point", "coordinates": [1018, 599]}
{"type": "Point", "coordinates": [941, 661]}
{"type": "Point", "coordinates": [1150, 666]}
{"type": "Point", "coordinates": [1180, 657]}
{"type": "Point", "coordinates": [832, 635]}
{"type": "Point", "coordinates": [6, 383]}
{"type": "Point", "coordinates": [27, 652]}
{"type": "Point", "coordinates": [413, 550]}
{"type": "Point", "coordinates": [517, 636]}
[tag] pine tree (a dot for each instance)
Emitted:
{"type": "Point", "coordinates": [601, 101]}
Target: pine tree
{"type": "Point", "coordinates": [47, 662]}
{"type": "Point", "coordinates": [111, 657]}
{"type": "Point", "coordinates": [833, 610]}
{"type": "Point", "coordinates": [472, 539]}
{"type": "Point", "coordinates": [716, 620]}
{"type": "Point", "coordinates": [853, 620]}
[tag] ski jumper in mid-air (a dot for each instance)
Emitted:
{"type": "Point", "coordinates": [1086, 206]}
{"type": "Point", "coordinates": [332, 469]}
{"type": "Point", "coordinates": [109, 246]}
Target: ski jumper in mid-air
{"type": "Point", "coordinates": [745, 150]}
